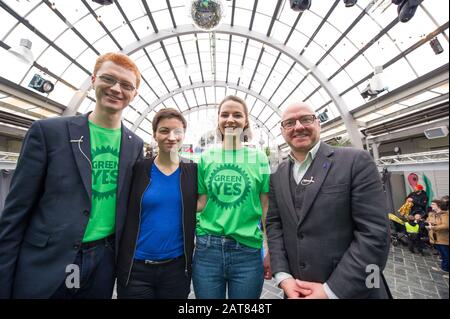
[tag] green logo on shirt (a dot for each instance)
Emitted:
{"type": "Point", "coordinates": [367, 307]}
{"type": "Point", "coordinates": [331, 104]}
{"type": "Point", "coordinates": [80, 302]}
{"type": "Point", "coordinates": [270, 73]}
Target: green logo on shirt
{"type": "Point", "coordinates": [229, 186]}
{"type": "Point", "coordinates": [105, 170]}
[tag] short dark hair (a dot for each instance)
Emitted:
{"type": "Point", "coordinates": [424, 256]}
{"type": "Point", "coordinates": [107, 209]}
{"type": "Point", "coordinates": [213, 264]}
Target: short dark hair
{"type": "Point", "coordinates": [167, 113]}
{"type": "Point", "coordinates": [437, 202]}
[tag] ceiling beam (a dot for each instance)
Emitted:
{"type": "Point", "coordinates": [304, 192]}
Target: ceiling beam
{"type": "Point", "coordinates": [350, 124]}
{"type": "Point", "coordinates": [424, 83]}
{"type": "Point", "coordinates": [197, 85]}
{"type": "Point", "coordinates": [214, 107]}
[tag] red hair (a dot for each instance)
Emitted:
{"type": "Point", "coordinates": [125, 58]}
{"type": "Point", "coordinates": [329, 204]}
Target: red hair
{"type": "Point", "coordinates": [419, 187]}
{"type": "Point", "coordinates": [120, 59]}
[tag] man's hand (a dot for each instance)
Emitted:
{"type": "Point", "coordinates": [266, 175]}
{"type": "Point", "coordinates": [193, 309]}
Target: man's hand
{"type": "Point", "coordinates": [267, 270]}
{"type": "Point", "coordinates": [293, 290]}
{"type": "Point", "coordinates": [316, 289]}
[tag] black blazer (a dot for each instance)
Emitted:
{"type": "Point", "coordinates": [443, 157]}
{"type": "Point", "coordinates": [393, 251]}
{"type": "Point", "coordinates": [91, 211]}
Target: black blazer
{"type": "Point", "coordinates": [140, 181]}
{"type": "Point", "coordinates": [48, 206]}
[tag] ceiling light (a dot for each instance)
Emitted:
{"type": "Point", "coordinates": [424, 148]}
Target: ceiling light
{"type": "Point", "coordinates": [406, 9]}
{"type": "Point", "coordinates": [207, 14]}
{"type": "Point", "coordinates": [436, 46]}
{"type": "Point", "coordinates": [350, 3]}
{"type": "Point", "coordinates": [376, 84]}
{"type": "Point", "coordinates": [300, 5]}
{"type": "Point", "coordinates": [323, 116]}
{"type": "Point", "coordinates": [436, 132]}
{"type": "Point", "coordinates": [104, 2]}
{"type": "Point", "coordinates": [40, 84]}
{"type": "Point", "coordinates": [23, 51]}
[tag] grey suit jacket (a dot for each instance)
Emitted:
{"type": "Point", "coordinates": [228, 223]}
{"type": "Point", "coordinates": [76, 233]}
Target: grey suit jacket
{"type": "Point", "coordinates": [343, 226]}
{"type": "Point", "coordinates": [48, 207]}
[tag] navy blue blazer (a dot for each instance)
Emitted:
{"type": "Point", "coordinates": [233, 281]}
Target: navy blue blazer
{"type": "Point", "coordinates": [47, 210]}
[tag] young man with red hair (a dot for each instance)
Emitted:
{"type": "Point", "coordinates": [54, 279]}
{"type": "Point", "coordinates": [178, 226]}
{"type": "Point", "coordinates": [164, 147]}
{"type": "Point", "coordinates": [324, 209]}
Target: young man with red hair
{"type": "Point", "coordinates": [66, 208]}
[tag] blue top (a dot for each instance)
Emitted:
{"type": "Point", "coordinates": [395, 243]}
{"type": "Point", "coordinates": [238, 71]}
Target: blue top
{"type": "Point", "coordinates": [161, 231]}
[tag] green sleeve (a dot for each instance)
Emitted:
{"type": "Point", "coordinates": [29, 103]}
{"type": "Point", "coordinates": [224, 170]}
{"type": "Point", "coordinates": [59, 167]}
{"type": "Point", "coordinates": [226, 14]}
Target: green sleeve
{"type": "Point", "coordinates": [264, 170]}
{"type": "Point", "coordinates": [201, 176]}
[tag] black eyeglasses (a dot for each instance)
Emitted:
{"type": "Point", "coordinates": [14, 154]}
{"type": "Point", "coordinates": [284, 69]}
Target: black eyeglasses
{"type": "Point", "coordinates": [109, 80]}
{"type": "Point", "coordinates": [304, 120]}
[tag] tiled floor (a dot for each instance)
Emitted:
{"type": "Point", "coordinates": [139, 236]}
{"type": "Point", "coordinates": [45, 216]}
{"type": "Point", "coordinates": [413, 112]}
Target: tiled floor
{"type": "Point", "coordinates": [409, 276]}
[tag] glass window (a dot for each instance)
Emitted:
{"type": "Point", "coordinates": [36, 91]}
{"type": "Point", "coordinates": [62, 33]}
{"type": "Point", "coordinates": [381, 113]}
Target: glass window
{"type": "Point", "coordinates": [46, 22]}
{"type": "Point", "coordinates": [62, 93]}
{"type": "Point", "coordinates": [8, 22]}
{"type": "Point", "coordinates": [54, 61]}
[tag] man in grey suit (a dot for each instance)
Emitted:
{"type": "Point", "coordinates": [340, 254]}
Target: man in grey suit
{"type": "Point", "coordinates": [327, 223]}
{"type": "Point", "coordinates": [66, 208]}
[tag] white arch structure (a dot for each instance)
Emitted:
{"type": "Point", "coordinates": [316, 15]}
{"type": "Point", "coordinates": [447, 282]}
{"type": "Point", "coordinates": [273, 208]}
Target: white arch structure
{"type": "Point", "coordinates": [350, 123]}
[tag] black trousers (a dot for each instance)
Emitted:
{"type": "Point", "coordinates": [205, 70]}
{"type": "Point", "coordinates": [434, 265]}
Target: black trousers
{"type": "Point", "coordinates": [415, 242]}
{"type": "Point", "coordinates": [164, 281]}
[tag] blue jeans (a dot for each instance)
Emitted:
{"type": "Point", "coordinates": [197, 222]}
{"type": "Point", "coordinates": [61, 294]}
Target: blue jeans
{"type": "Point", "coordinates": [443, 251]}
{"type": "Point", "coordinates": [96, 273]}
{"type": "Point", "coordinates": [221, 263]}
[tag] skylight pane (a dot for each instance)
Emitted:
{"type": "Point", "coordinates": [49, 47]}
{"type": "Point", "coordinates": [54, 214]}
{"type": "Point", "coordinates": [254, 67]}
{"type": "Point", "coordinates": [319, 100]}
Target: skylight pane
{"type": "Point", "coordinates": [162, 18]}
{"type": "Point", "coordinates": [75, 75]}
{"type": "Point", "coordinates": [8, 22]}
{"type": "Point", "coordinates": [61, 93]}
{"type": "Point", "coordinates": [22, 7]}
{"type": "Point", "coordinates": [54, 61]}
{"type": "Point", "coordinates": [90, 29]}
{"type": "Point", "coordinates": [51, 25]}
{"type": "Point", "coordinates": [424, 59]}
{"type": "Point", "coordinates": [71, 44]}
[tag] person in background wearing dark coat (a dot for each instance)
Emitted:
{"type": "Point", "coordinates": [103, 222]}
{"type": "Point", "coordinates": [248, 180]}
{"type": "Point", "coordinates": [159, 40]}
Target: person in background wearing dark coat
{"type": "Point", "coordinates": [419, 199]}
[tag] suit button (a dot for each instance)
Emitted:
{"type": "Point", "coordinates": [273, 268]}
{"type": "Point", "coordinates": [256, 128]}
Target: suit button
{"type": "Point", "coordinates": [301, 236]}
{"type": "Point", "coordinates": [86, 213]}
{"type": "Point", "coordinates": [302, 265]}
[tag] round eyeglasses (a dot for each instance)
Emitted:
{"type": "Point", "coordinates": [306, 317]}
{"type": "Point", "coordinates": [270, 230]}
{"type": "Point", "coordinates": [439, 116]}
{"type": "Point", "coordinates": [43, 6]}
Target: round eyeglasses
{"type": "Point", "coordinates": [304, 120]}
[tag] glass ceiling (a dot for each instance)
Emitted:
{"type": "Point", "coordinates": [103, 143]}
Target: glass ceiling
{"type": "Point", "coordinates": [335, 49]}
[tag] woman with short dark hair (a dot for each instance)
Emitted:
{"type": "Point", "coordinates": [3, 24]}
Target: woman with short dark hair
{"type": "Point", "coordinates": [156, 249]}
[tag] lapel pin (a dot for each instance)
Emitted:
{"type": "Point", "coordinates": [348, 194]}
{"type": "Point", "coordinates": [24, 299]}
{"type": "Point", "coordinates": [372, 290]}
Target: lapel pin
{"type": "Point", "coordinates": [306, 182]}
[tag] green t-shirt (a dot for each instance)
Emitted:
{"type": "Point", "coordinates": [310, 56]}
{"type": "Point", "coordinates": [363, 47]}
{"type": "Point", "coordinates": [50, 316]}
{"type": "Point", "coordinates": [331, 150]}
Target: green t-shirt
{"type": "Point", "coordinates": [105, 150]}
{"type": "Point", "coordinates": [233, 181]}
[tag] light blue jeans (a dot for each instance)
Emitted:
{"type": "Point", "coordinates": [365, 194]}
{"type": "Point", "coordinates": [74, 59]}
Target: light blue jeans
{"type": "Point", "coordinates": [221, 263]}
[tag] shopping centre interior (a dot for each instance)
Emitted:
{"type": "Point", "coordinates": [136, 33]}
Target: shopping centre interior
{"type": "Point", "coordinates": [376, 73]}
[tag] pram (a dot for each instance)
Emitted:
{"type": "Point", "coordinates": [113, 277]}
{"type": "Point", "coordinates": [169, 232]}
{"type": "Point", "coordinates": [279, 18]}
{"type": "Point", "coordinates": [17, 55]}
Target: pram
{"type": "Point", "coordinates": [398, 230]}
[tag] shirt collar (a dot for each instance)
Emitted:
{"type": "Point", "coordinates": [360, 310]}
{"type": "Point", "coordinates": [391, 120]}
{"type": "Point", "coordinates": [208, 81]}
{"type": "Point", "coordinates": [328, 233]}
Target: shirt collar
{"type": "Point", "coordinates": [311, 154]}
